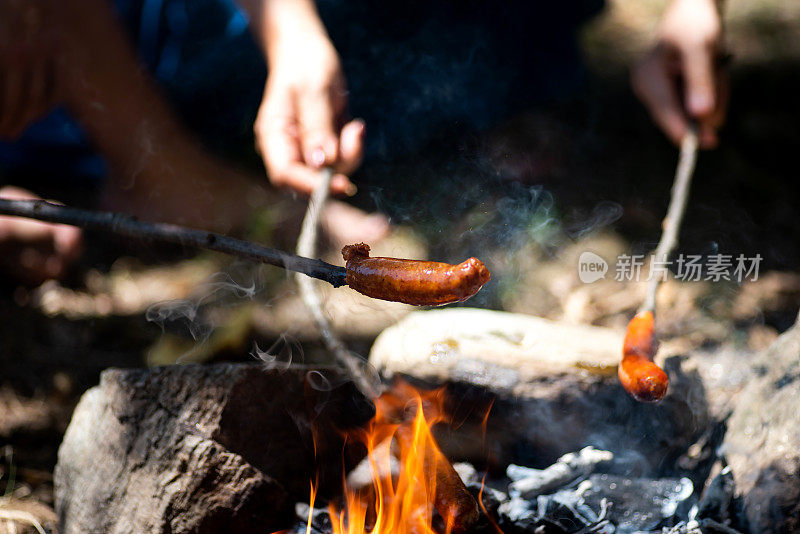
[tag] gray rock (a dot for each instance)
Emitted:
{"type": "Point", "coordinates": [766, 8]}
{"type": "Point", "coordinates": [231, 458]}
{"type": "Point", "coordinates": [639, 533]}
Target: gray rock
{"type": "Point", "coordinates": [762, 444]}
{"type": "Point", "coordinates": [197, 448]}
{"type": "Point", "coordinates": [552, 388]}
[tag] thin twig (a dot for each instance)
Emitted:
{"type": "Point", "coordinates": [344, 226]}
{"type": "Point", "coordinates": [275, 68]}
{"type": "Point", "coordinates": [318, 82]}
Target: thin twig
{"type": "Point", "coordinates": [355, 366]}
{"type": "Point", "coordinates": [677, 206]}
{"type": "Point", "coordinates": [169, 233]}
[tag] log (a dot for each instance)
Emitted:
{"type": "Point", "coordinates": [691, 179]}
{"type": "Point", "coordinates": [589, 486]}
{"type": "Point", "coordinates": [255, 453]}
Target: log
{"type": "Point", "coordinates": [228, 447]}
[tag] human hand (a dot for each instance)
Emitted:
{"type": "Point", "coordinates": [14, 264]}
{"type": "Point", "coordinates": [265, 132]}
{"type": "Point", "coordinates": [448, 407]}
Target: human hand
{"type": "Point", "coordinates": [27, 64]}
{"type": "Point", "coordinates": [34, 251]}
{"type": "Point", "coordinates": [680, 79]}
{"type": "Point", "coordinates": [301, 126]}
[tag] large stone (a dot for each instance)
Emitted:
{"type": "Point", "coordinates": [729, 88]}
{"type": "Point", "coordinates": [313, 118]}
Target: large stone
{"type": "Point", "coordinates": [228, 447]}
{"type": "Point", "coordinates": [552, 387]}
{"type": "Point", "coordinates": [506, 350]}
{"type": "Point", "coordinates": [762, 444]}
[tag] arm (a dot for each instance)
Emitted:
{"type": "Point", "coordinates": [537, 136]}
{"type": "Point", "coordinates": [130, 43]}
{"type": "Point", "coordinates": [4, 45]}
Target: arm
{"type": "Point", "coordinates": [301, 124]}
{"type": "Point", "coordinates": [680, 79]}
{"type": "Point", "coordinates": [27, 64]}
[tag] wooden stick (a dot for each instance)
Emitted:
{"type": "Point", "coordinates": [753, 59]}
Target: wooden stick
{"type": "Point", "coordinates": [169, 233]}
{"type": "Point", "coordinates": [677, 206]}
{"type": "Point", "coordinates": [355, 366]}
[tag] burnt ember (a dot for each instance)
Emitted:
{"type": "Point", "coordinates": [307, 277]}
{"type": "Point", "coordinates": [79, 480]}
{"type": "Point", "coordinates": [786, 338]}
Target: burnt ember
{"type": "Point", "coordinates": [569, 498]}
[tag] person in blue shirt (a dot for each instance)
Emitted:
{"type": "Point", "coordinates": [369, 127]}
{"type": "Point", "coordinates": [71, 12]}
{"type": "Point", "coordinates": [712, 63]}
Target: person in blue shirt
{"type": "Point", "coordinates": [134, 93]}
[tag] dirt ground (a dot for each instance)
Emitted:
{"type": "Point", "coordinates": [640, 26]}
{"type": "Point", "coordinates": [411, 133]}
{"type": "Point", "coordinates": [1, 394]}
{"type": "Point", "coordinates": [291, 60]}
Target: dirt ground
{"type": "Point", "coordinates": [593, 174]}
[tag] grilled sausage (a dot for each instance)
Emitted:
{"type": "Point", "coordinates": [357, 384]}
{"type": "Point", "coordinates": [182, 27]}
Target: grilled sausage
{"type": "Point", "coordinates": [644, 380]}
{"type": "Point", "coordinates": [422, 283]}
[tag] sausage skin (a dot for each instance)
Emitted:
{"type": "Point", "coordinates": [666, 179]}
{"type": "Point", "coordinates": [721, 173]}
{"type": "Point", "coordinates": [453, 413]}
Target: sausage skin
{"type": "Point", "coordinates": [643, 379]}
{"type": "Point", "coordinates": [421, 283]}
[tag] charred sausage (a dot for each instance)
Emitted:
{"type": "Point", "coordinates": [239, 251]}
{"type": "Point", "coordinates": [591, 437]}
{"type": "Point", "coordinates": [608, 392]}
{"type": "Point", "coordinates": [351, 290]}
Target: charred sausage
{"type": "Point", "coordinates": [643, 379]}
{"type": "Point", "coordinates": [422, 283]}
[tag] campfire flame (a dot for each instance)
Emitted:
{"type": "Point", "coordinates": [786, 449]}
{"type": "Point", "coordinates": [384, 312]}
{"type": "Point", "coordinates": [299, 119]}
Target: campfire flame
{"type": "Point", "coordinates": [426, 496]}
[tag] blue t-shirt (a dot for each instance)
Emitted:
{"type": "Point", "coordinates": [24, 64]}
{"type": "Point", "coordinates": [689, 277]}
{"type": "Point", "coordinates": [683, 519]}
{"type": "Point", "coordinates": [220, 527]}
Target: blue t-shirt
{"type": "Point", "coordinates": [413, 67]}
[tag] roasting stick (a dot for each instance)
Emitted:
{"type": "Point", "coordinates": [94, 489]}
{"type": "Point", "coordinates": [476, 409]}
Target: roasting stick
{"type": "Point", "coordinates": [355, 366]}
{"type": "Point", "coordinates": [675, 211]}
{"type": "Point", "coordinates": [639, 376]}
{"type": "Point", "coordinates": [169, 233]}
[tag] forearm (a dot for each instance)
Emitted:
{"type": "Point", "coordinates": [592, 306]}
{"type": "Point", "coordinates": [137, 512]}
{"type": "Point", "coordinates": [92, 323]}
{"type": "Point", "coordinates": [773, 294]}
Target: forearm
{"type": "Point", "coordinates": [279, 23]}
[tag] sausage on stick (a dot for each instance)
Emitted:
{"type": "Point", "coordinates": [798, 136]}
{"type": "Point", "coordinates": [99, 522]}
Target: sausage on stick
{"type": "Point", "coordinates": [422, 283]}
{"type": "Point", "coordinates": [643, 379]}
{"type": "Point", "coordinates": [640, 377]}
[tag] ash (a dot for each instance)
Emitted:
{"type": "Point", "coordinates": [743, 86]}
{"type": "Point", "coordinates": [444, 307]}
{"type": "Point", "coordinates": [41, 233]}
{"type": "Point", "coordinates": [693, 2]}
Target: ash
{"type": "Point", "coordinates": [581, 494]}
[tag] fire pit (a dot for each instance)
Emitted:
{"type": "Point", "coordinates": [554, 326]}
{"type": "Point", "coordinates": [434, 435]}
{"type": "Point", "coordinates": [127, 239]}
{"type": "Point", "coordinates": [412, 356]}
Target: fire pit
{"type": "Point", "coordinates": [413, 488]}
{"type": "Point", "coordinates": [510, 441]}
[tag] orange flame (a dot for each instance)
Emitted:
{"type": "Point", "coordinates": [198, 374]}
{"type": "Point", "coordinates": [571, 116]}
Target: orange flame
{"type": "Point", "coordinates": [311, 500]}
{"type": "Point", "coordinates": [402, 504]}
{"type": "Point", "coordinates": [425, 496]}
